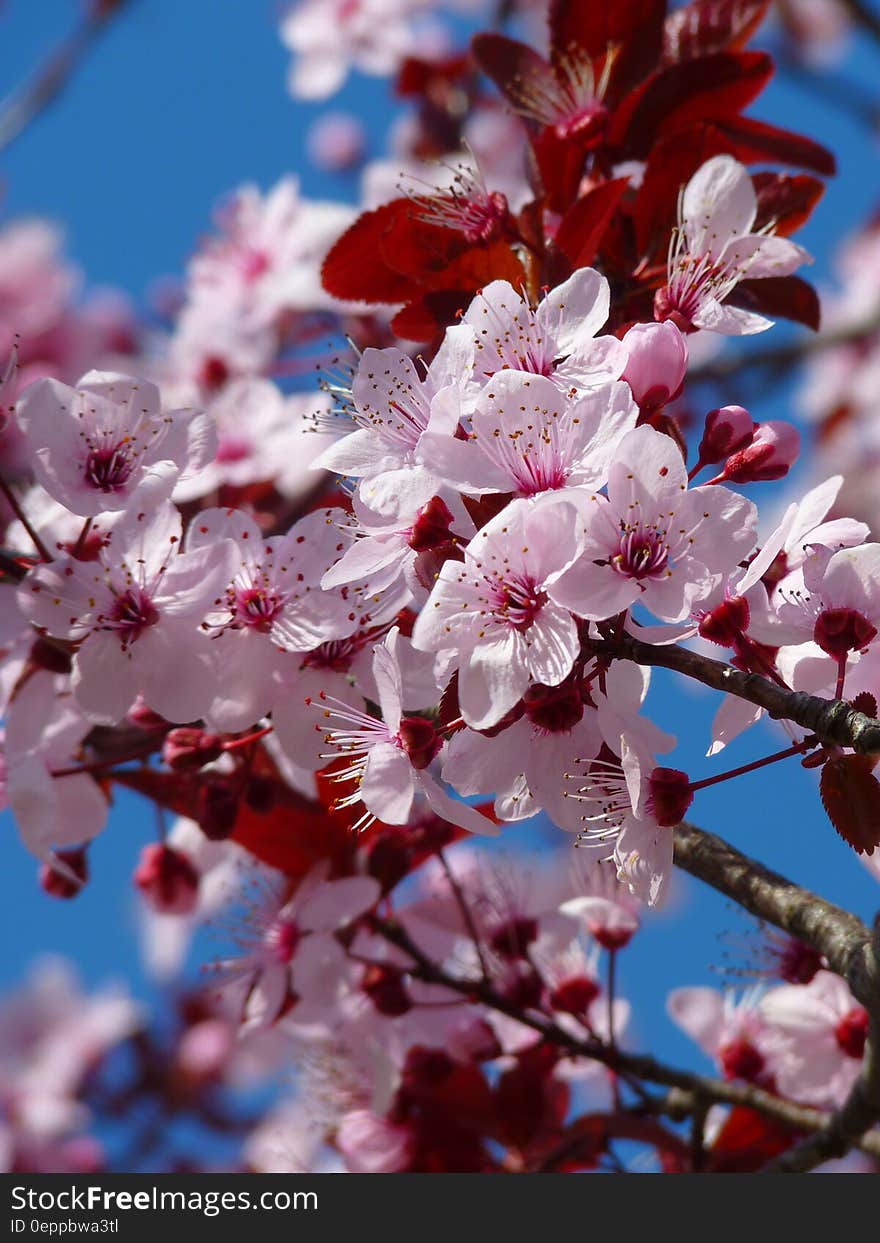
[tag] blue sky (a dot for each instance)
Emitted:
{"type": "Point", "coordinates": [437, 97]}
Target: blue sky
{"type": "Point", "coordinates": [178, 104]}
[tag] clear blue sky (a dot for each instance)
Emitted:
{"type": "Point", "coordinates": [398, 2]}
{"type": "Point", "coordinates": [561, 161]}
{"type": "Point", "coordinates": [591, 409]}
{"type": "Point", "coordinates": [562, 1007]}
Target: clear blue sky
{"type": "Point", "coordinates": [183, 100]}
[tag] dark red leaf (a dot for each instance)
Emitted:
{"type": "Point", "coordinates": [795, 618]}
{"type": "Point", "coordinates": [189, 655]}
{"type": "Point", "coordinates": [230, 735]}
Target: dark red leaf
{"type": "Point", "coordinates": [784, 201]}
{"type": "Point", "coordinates": [633, 27]}
{"type": "Point", "coordinates": [851, 796]}
{"type": "Point", "coordinates": [425, 317]}
{"type": "Point", "coordinates": [583, 226]}
{"type": "Point", "coordinates": [712, 88]}
{"type": "Point", "coordinates": [785, 297]}
{"type": "Point", "coordinates": [756, 140]}
{"type": "Point", "coordinates": [706, 26]}
{"type": "Point", "coordinates": [512, 66]}
{"type": "Point", "coordinates": [671, 164]}
{"type": "Point", "coordinates": [355, 268]}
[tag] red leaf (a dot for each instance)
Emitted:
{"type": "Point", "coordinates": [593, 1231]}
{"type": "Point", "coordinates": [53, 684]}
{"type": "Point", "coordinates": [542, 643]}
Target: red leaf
{"type": "Point", "coordinates": [583, 226]}
{"type": "Point", "coordinates": [671, 164]}
{"type": "Point", "coordinates": [512, 66]}
{"type": "Point", "coordinates": [427, 316]}
{"type": "Point", "coordinates": [785, 201]}
{"type": "Point", "coordinates": [851, 796]}
{"type": "Point", "coordinates": [355, 268]}
{"type": "Point", "coordinates": [787, 297]}
{"type": "Point", "coordinates": [634, 27]}
{"type": "Point", "coordinates": [712, 88]}
{"type": "Point", "coordinates": [706, 26]}
{"type": "Point", "coordinates": [747, 1141]}
{"type": "Point", "coordinates": [756, 140]}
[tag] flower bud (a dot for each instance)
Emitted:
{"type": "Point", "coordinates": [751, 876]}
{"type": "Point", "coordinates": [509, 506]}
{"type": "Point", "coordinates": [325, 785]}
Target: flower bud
{"type": "Point", "coordinates": [727, 430]}
{"type": "Point", "coordinates": [770, 455]}
{"type": "Point", "coordinates": [167, 880]}
{"type": "Point", "coordinates": [68, 882]}
{"type": "Point", "coordinates": [656, 364]}
{"type": "Point", "coordinates": [727, 622]}
{"type": "Point", "coordinates": [669, 796]}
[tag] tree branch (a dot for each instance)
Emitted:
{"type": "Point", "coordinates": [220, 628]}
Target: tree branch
{"type": "Point", "coordinates": [691, 1093]}
{"type": "Point", "coordinates": [841, 938]}
{"type": "Point", "coordinates": [831, 720]}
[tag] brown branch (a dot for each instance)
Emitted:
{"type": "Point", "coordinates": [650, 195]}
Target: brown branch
{"type": "Point", "coordinates": [831, 720]}
{"type": "Point", "coordinates": [22, 106]}
{"type": "Point", "coordinates": [691, 1091]}
{"type": "Point", "coordinates": [841, 938]}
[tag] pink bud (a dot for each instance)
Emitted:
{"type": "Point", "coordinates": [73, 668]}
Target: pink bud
{"type": "Point", "coordinates": [656, 364]}
{"type": "Point", "coordinates": [167, 880]}
{"type": "Point", "coordinates": [773, 450]}
{"type": "Point", "coordinates": [727, 430]}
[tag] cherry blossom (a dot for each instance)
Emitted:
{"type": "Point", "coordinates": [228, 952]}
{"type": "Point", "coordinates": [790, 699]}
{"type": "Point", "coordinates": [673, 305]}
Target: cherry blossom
{"type": "Point", "coordinates": [389, 756]}
{"type": "Point", "coordinates": [558, 340]}
{"type": "Point", "coordinates": [494, 610]}
{"type": "Point", "coordinates": [651, 541]}
{"type": "Point", "coordinates": [526, 437]}
{"type": "Point", "coordinates": [106, 443]}
{"type": "Point", "coordinates": [732, 1031]}
{"type": "Point", "coordinates": [819, 1034]}
{"type": "Point", "coordinates": [392, 406]}
{"type": "Point", "coordinates": [715, 247]}
{"type": "Point", "coordinates": [134, 613]}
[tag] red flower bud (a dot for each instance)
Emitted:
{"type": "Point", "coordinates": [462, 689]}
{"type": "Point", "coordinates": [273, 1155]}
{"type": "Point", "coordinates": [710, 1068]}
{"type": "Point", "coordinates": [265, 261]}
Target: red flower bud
{"type": "Point", "coordinates": [729, 429]}
{"type": "Point", "coordinates": [770, 455]}
{"type": "Point", "coordinates": [574, 996]}
{"type": "Point", "coordinates": [385, 986]}
{"type": "Point", "coordinates": [167, 880]}
{"type": "Point", "coordinates": [838, 631]}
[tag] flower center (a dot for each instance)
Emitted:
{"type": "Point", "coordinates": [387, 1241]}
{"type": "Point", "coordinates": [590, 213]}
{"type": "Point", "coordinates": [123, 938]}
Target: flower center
{"type": "Point", "coordinates": [108, 469]}
{"type": "Point", "coordinates": [642, 553]}
{"type": "Point", "coordinates": [257, 607]}
{"type": "Point", "coordinates": [838, 631]}
{"type": "Point", "coordinates": [132, 613]}
{"type": "Point", "coordinates": [282, 940]}
{"type": "Point", "coordinates": [518, 603]}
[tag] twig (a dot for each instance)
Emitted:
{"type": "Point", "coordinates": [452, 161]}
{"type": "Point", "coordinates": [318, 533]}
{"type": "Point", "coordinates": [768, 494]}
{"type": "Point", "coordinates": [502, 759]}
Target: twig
{"type": "Point", "coordinates": [22, 106]}
{"type": "Point", "coordinates": [466, 913]}
{"type": "Point", "coordinates": [831, 720]}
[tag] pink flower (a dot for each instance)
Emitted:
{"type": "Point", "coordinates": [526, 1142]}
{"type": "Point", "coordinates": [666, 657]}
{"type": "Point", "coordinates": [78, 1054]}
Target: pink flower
{"type": "Point", "coordinates": [261, 435]}
{"type": "Point", "coordinates": [283, 938]}
{"type": "Point", "coordinates": [327, 37]}
{"type": "Point", "coordinates": [651, 541]}
{"type": "Point", "coordinates": [818, 1039]}
{"type": "Point", "coordinates": [271, 605]}
{"type": "Point", "coordinates": [44, 731]}
{"type": "Point", "coordinates": [392, 404]}
{"type": "Point", "coordinates": [656, 364]}
{"type": "Point", "coordinates": [495, 614]}
{"type": "Point", "coordinates": [390, 755]}
{"type": "Point", "coordinates": [336, 141]}
{"type": "Point", "coordinates": [734, 1033]}
{"type": "Point", "coordinates": [604, 905]}
{"type": "Point", "coordinates": [714, 248]}
{"type": "Point", "coordinates": [557, 340]}
{"type": "Point", "coordinates": [267, 255]}
{"type": "Point", "coordinates": [106, 443]}
{"type": "Point", "coordinates": [527, 437]}
{"type": "Point", "coordinates": [135, 613]}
